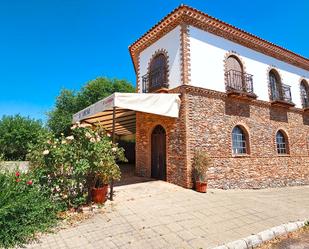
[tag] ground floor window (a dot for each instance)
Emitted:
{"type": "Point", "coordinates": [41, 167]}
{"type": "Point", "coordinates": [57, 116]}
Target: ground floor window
{"type": "Point", "coordinates": [239, 141]}
{"type": "Point", "coordinates": [281, 142]}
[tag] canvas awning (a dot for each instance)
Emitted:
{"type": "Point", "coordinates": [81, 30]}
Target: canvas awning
{"type": "Point", "coordinates": [118, 110]}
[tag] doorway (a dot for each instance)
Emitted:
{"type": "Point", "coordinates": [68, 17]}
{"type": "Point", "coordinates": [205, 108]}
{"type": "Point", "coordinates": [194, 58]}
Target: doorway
{"type": "Point", "coordinates": [158, 153]}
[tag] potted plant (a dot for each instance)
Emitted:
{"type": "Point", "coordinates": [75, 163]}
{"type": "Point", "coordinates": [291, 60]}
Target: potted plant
{"type": "Point", "coordinates": [99, 191]}
{"type": "Point", "coordinates": [201, 162]}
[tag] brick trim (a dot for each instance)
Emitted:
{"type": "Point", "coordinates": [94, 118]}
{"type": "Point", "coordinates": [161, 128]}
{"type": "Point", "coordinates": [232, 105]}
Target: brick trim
{"type": "Point", "coordinates": [210, 24]}
{"type": "Point", "coordinates": [138, 81]}
{"type": "Point", "coordinates": [238, 57]}
{"type": "Point", "coordinates": [185, 54]}
{"type": "Point", "coordinates": [277, 71]}
{"type": "Point", "coordinates": [287, 141]}
{"type": "Point", "coordinates": [222, 95]}
{"type": "Point", "coordinates": [302, 80]}
{"type": "Point", "coordinates": [165, 53]}
{"type": "Point", "coordinates": [246, 130]}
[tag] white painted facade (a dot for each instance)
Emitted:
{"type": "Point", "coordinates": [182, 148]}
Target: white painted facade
{"type": "Point", "coordinates": [207, 55]}
{"type": "Point", "coordinates": [171, 43]}
{"type": "Point", "coordinates": [207, 65]}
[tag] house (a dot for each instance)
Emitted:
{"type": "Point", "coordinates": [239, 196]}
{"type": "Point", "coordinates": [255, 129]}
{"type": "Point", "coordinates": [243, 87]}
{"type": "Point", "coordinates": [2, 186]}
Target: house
{"type": "Point", "coordinates": [244, 100]}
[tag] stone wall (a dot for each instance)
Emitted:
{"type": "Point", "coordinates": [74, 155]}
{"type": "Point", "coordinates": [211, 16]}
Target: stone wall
{"type": "Point", "coordinates": [206, 121]}
{"type": "Point", "coordinates": [212, 116]}
{"type": "Point", "coordinates": [176, 145]}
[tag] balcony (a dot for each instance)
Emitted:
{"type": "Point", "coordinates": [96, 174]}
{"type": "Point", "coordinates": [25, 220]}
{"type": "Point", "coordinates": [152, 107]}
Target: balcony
{"type": "Point", "coordinates": [239, 85]}
{"type": "Point", "coordinates": [282, 96]}
{"type": "Point", "coordinates": [155, 80]}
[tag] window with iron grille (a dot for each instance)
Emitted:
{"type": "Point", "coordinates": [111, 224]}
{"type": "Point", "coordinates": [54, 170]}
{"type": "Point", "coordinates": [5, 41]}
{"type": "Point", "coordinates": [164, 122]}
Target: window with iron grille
{"type": "Point", "coordinates": [275, 85]}
{"type": "Point", "coordinates": [281, 143]}
{"type": "Point", "coordinates": [239, 141]}
{"type": "Point", "coordinates": [158, 72]}
{"type": "Point", "coordinates": [304, 91]}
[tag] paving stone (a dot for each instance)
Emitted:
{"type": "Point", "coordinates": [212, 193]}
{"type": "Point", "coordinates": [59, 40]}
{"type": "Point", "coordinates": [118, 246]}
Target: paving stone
{"type": "Point", "coordinates": [160, 215]}
{"type": "Point", "coordinates": [253, 241]}
{"type": "Point", "coordinates": [278, 230]}
{"type": "Point", "coordinates": [238, 244]}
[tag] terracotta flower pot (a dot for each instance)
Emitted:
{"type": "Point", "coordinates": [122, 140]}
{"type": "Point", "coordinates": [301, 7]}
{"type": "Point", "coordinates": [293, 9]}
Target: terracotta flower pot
{"type": "Point", "coordinates": [201, 186]}
{"type": "Point", "coordinates": [98, 195]}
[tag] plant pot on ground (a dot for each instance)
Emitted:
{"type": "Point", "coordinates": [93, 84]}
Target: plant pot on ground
{"type": "Point", "coordinates": [201, 162]}
{"type": "Point", "coordinates": [99, 192]}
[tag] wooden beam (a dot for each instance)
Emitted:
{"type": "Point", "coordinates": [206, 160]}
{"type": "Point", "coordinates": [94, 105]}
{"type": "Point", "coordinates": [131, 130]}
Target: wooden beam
{"type": "Point", "coordinates": [109, 117]}
{"type": "Point", "coordinates": [113, 138]}
{"type": "Point", "coordinates": [106, 113]}
{"type": "Point", "coordinates": [125, 129]}
{"type": "Point", "coordinates": [110, 126]}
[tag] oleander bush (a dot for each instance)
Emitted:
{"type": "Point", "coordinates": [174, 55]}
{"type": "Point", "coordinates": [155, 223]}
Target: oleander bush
{"type": "Point", "coordinates": [71, 166]}
{"type": "Point", "coordinates": [25, 209]}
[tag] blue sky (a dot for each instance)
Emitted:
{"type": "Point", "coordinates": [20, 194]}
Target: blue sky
{"type": "Point", "coordinates": [47, 45]}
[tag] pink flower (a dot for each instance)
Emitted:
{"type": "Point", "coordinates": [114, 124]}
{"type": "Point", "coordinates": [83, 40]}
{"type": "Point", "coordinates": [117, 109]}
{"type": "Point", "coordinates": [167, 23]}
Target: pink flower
{"type": "Point", "coordinates": [17, 174]}
{"type": "Point", "coordinates": [17, 180]}
{"type": "Point", "coordinates": [29, 182]}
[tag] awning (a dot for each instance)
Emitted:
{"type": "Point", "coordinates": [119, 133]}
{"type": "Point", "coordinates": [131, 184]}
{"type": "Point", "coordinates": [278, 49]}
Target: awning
{"type": "Point", "coordinates": [118, 110]}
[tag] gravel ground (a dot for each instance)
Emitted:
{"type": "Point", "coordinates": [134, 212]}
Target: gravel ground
{"type": "Point", "coordinates": [296, 240]}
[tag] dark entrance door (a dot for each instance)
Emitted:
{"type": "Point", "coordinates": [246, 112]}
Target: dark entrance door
{"type": "Point", "coordinates": [158, 153]}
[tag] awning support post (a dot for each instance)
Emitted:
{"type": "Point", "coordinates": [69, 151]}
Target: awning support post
{"type": "Point", "coordinates": [114, 140]}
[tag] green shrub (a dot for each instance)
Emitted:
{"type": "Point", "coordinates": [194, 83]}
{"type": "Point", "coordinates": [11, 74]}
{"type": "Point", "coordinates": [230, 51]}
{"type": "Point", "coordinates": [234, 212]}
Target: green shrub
{"type": "Point", "coordinates": [25, 209]}
{"type": "Point", "coordinates": [71, 166]}
{"type": "Point", "coordinates": [69, 102]}
{"type": "Point", "coordinates": [201, 163]}
{"type": "Point", "coordinates": [17, 134]}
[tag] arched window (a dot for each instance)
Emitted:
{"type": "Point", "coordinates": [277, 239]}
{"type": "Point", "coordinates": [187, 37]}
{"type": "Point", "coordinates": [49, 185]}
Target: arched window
{"type": "Point", "coordinates": [234, 73]}
{"type": "Point", "coordinates": [158, 72]}
{"type": "Point", "coordinates": [275, 85]}
{"type": "Point", "coordinates": [282, 143]}
{"type": "Point", "coordinates": [239, 141]}
{"type": "Point", "coordinates": [233, 63]}
{"type": "Point", "coordinates": [304, 92]}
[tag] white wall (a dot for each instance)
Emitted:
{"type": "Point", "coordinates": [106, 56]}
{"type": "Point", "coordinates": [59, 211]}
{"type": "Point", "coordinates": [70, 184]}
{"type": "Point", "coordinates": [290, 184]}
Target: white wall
{"type": "Point", "coordinates": [207, 65]}
{"type": "Point", "coordinates": [171, 43]}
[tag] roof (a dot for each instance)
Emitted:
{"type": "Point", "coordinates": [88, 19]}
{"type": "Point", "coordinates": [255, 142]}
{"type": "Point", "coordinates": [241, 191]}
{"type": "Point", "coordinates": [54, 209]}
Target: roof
{"type": "Point", "coordinates": [196, 18]}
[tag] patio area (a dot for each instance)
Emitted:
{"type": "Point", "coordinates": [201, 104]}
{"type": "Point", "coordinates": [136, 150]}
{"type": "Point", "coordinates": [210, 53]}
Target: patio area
{"type": "Point", "coordinates": [156, 214]}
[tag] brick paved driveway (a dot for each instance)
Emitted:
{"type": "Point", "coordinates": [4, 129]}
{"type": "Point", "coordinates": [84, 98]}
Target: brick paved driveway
{"type": "Point", "coordinates": [156, 214]}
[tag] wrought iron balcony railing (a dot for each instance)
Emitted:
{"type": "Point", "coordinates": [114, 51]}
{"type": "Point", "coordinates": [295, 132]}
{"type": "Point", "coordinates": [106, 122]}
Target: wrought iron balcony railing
{"type": "Point", "coordinates": [239, 81]}
{"type": "Point", "coordinates": [282, 94]}
{"type": "Point", "coordinates": [154, 80]}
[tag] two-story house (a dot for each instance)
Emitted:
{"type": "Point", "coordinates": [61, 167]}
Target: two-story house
{"type": "Point", "coordinates": [244, 101]}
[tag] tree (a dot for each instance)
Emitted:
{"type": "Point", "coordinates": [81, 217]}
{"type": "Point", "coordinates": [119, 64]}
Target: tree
{"type": "Point", "coordinates": [17, 134]}
{"type": "Point", "coordinates": [70, 102]}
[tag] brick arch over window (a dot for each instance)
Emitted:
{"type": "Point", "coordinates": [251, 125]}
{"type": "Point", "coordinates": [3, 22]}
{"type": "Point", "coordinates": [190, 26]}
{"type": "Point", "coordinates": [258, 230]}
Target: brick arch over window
{"type": "Point", "coordinates": [282, 142]}
{"type": "Point", "coordinates": [304, 93]}
{"type": "Point", "coordinates": [158, 71]}
{"type": "Point", "coordinates": [274, 84]}
{"type": "Point", "coordinates": [234, 70]}
{"type": "Point", "coordinates": [233, 63]}
{"type": "Point", "coordinates": [240, 140]}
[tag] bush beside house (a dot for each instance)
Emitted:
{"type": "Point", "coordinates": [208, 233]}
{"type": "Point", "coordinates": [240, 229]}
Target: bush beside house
{"type": "Point", "coordinates": [66, 163]}
{"type": "Point", "coordinates": [25, 208]}
{"type": "Point", "coordinates": [63, 171]}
